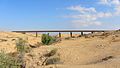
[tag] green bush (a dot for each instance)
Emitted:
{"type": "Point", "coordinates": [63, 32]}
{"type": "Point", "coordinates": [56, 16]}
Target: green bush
{"type": "Point", "coordinates": [12, 61]}
{"type": "Point", "coordinates": [7, 61]}
{"type": "Point", "coordinates": [47, 40]}
{"type": "Point", "coordinates": [21, 45]}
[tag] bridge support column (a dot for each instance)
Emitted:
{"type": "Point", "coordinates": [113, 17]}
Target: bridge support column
{"type": "Point", "coordinates": [92, 32]}
{"type": "Point", "coordinates": [70, 34]}
{"type": "Point", "coordinates": [59, 34]}
{"type": "Point", "coordinates": [36, 34]}
{"type": "Point", "coordinates": [82, 33]}
{"type": "Point", "coordinates": [48, 34]}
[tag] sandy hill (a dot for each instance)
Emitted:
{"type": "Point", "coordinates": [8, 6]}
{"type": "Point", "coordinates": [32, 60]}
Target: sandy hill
{"type": "Point", "coordinates": [98, 50]}
{"type": "Point", "coordinates": [8, 40]}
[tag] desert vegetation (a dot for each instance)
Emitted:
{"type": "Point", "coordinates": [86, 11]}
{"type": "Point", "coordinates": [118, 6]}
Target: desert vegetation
{"type": "Point", "coordinates": [47, 39]}
{"type": "Point", "coordinates": [12, 60]}
{"type": "Point", "coordinates": [7, 61]}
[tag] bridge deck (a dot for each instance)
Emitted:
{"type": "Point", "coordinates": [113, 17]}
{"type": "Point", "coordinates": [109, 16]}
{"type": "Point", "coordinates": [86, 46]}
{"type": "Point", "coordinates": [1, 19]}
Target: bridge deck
{"type": "Point", "coordinates": [66, 31]}
{"type": "Point", "coordinates": [92, 31]}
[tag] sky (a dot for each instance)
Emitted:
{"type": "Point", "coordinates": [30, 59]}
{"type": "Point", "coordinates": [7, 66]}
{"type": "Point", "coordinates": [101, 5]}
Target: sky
{"type": "Point", "coordinates": [59, 14]}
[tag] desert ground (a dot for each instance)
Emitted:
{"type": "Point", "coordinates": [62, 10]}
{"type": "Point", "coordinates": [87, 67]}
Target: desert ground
{"type": "Point", "coordinates": [97, 50]}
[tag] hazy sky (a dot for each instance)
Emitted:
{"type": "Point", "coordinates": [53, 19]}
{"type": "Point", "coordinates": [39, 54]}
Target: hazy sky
{"type": "Point", "coordinates": [59, 14]}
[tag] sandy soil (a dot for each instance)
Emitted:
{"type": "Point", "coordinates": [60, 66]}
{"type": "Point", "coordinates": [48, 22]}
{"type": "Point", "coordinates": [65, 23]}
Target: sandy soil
{"type": "Point", "coordinates": [98, 50]}
{"type": "Point", "coordinates": [8, 40]}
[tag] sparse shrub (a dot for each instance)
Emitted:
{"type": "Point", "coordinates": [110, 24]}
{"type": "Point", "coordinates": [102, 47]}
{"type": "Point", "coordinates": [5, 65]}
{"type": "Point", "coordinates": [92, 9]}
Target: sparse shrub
{"type": "Point", "coordinates": [47, 40]}
{"type": "Point", "coordinates": [14, 60]}
{"type": "Point", "coordinates": [21, 45]}
{"type": "Point", "coordinates": [7, 61]}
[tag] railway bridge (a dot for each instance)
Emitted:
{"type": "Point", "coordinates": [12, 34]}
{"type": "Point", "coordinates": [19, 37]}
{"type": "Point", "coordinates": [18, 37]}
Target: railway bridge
{"type": "Point", "coordinates": [59, 31]}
